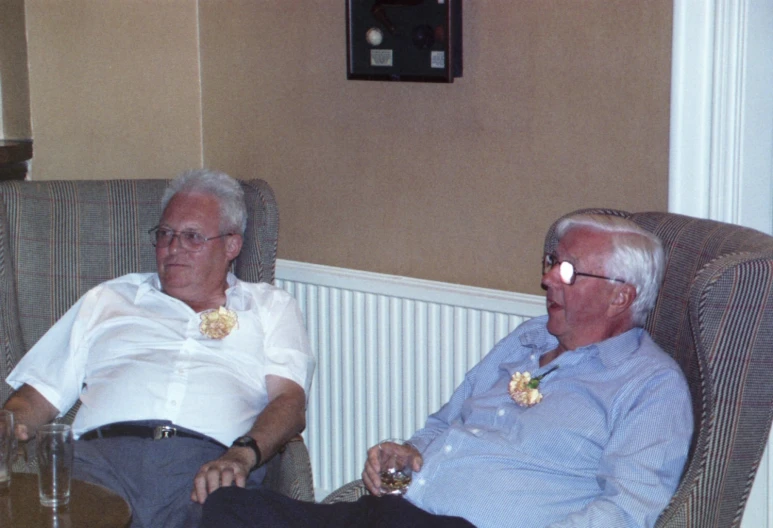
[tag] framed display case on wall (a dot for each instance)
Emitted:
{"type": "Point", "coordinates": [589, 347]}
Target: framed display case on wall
{"type": "Point", "coordinates": [404, 40]}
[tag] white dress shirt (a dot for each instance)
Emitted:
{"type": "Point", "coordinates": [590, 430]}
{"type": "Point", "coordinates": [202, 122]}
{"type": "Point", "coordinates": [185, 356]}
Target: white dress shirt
{"type": "Point", "coordinates": [131, 352]}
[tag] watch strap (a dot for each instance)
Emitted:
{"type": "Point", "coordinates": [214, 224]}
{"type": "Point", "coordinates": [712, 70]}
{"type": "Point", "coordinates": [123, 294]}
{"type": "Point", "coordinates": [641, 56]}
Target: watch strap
{"type": "Point", "coordinates": [248, 441]}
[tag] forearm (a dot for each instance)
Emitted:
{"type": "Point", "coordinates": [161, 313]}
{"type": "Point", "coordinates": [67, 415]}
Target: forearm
{"type": "Point", "coordinates": [30, 410]}
{"type": "Point", "coordinates": [283, 418]}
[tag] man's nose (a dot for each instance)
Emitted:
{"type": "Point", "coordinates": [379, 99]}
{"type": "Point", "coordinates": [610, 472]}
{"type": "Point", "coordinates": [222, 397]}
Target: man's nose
{"type": "Point", "coordinates": [550, 277]}
{"type": "Point", "coordinates": [174, 244]}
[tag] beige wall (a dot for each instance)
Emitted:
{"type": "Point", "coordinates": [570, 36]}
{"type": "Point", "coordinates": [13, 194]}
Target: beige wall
{"type": "Point", "coordinates": [114, 88]}
{"type": "Point", "coordinates": [563, 104]}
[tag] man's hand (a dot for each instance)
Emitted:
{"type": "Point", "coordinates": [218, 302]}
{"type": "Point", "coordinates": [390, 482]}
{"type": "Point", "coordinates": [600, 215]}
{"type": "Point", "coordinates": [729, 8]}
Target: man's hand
{"type": "Point", "coordinates": [231, 468]}
{"type": "Point", "coordinates": [30, 410]}
{"type": "Point", "coordinates": [22, 432]}
{"type": "Point", "coordinates": [371, 475]}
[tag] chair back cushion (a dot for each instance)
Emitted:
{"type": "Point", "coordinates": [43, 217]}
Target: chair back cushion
{"type": "Point", "coordinates": [714, 315]}
{"type": "Point", "coordinates": [58, 239]}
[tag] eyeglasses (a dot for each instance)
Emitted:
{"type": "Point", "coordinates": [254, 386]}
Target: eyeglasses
{"type": "Point", "coordinates": [162, 237]}
{"type": "Point", "coordinates": [566, 270]}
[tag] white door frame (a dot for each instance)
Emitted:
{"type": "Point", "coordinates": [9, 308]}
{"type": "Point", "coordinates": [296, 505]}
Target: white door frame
{"type": "Point", "coordinates": [721, 144]}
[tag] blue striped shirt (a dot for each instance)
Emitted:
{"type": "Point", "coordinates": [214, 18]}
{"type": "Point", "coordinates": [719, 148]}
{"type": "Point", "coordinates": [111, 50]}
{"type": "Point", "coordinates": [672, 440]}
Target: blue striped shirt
{"type": "Point", "coordinates": [605, 447]}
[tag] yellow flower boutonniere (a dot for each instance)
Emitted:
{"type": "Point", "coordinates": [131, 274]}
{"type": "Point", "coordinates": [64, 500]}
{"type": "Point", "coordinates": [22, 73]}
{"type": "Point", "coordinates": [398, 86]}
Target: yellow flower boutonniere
{"type": "Point", "coordinates": [524, 390]}
{"type": "Point", "coordinates": [218, 323]}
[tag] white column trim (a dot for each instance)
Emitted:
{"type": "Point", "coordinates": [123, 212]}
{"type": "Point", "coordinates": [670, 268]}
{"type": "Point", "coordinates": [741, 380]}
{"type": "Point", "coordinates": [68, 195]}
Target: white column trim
{"type": "Point", "coordinates": [691, 93]}
{"type": "Point", "coordinates": [721, 144]}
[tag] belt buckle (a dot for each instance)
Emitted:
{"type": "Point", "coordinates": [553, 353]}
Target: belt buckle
{"type": "Point", "coordinates": [164, 431]}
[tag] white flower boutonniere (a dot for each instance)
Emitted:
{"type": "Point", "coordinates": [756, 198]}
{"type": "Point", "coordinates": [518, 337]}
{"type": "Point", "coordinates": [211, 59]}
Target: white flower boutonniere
{"type": "Point", "coordinates": [218, 323]}
{"type": "Point", "coordinates": [524, 390]}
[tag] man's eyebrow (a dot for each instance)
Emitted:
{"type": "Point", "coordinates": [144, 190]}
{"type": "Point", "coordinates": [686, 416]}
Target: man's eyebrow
{"type": "Point", "coordinates": [563, 257]}
{"type": "Point", "coordinates": [196, 228]}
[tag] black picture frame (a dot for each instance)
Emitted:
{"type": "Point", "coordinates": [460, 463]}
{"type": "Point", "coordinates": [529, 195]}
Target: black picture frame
{"type": "Point", "coordinates": [404, 40]}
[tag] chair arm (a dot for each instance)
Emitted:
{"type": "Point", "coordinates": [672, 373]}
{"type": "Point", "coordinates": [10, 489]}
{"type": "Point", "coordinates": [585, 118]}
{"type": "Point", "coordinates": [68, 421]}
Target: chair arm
{"type": "Point", "coordinates": [289, 471]}
{"type": "Point", "coordinates": [347, 493]}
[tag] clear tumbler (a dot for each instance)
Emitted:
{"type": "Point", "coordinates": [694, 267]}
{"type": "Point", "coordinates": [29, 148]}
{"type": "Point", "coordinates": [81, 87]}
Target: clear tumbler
{"type": "Point", "coordinates": [55, 454]}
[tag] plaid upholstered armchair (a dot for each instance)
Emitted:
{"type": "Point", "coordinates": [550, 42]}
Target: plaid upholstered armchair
{"type": "Point", "coordinates": [60, 238]}
{"type": "Point", "coordinates": [714, 315]}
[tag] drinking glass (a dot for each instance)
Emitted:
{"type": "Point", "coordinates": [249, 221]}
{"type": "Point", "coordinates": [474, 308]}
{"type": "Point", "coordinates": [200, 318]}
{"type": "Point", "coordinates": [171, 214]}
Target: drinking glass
{"type": "Point", "coordinates": [55, 453]}
{"type": "Point", "coordinates": [7, 448]}
{"type": "Point", "coordinates": [396, 462]}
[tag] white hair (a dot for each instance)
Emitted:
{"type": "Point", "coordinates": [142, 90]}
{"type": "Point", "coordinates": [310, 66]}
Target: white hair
{"type": "Point", "coordinates": [227, 191]}
{"type": "Point", "coordinates": [637, 256]}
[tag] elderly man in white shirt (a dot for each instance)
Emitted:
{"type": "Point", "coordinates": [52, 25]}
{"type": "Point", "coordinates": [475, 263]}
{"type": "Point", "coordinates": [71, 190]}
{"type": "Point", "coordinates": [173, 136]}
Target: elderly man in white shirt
{"type": "Point", "coordinates": [190, 356]}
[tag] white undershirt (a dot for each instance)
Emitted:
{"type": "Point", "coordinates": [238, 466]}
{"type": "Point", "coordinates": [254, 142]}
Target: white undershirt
{"type": "Point", "coordinates": [131, 352]}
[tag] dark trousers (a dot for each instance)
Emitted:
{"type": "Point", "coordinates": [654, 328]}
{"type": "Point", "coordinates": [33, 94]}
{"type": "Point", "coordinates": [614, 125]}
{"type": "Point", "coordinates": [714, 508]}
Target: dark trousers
{"type": "Point", "coordinates": [241, 508]}
{"type": "Point", "coordinates": [154, 477]}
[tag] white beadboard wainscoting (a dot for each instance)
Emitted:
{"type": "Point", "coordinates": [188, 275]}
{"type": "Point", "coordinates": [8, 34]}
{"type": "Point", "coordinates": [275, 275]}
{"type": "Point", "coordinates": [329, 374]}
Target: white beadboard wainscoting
{"type": "Point", "coordinates": [390, 350]}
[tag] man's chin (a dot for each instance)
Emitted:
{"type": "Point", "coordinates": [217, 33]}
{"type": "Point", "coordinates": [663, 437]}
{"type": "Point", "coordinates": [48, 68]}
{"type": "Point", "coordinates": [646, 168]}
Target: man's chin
{"type": "Point", "coordinates": [552, 325]}
{"type": "Point", "coordinates": [173, 281]}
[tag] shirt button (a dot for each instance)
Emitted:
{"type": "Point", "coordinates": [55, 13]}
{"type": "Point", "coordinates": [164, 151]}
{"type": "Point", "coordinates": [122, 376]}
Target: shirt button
{"type": "Point", "coordinates": [421, 481]}
{"type": "Point", "coordinates": [447, 448]}
{"type": "Point", "coordinates": [501, 412]}
{"type": "Point", "coordinates": [174, 402]}
{"type": "Point", "coordinates": [475, 431]}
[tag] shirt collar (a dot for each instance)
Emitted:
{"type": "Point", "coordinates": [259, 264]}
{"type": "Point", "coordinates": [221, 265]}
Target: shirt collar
{"type": "Point", "coordinates": [235, 294]}
{"type": "Point", "coordinates": [615, 350]}
{"type": "Point", "coordinates": [153, 283]}
{"type": "Point", "coordinates": [611, 351]}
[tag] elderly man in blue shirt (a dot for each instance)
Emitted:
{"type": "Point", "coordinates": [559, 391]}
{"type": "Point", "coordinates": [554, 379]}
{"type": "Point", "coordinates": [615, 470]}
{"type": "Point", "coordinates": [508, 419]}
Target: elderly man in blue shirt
{"type": "Point", "coordinates": [576, 419]}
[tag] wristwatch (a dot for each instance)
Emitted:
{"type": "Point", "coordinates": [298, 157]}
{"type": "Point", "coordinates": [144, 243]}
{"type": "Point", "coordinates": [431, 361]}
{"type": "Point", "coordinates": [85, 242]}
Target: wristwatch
{"type": "Point", "coordinates": [248, 441]}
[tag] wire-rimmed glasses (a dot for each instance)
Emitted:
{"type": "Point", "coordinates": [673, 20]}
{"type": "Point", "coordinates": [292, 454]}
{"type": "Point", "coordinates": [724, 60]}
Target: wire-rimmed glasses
{"type": "Point", "coordinates": [567, 271]}
{"type": "Point", "coordinates": [162, 237]}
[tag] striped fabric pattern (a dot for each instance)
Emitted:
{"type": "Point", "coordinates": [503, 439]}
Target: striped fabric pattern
{"type": "Point", "coordinates": [714, 315]}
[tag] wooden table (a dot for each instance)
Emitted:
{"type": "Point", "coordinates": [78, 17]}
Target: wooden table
{"type": "Point", "coordinates": [90, 505]}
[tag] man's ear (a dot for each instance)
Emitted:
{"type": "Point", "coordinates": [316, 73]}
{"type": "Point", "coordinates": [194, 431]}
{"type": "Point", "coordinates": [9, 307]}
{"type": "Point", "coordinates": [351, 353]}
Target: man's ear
{"type": "Point", "coordinates": [622, 299]}
{"type": "Point", "coordinates": [233, 246]}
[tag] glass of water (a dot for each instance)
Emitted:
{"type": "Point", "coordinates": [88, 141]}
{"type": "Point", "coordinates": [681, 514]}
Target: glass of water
{"type": "Point", "coordinates": [54, 451]}
{"type": "Point", "coordinates": [396, 462]}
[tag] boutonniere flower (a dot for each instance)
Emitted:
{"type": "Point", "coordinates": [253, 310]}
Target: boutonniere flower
{"type": "Point", "coordinates": [524, 390]}
{"type": "Point", "coordinates": [218, 323]}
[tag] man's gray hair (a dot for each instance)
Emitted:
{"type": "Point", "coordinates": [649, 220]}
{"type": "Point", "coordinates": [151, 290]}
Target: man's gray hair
{"type": "Point", "coordinates": [228, 191]}
{"type": "Point", "coordinates": [637, 256]}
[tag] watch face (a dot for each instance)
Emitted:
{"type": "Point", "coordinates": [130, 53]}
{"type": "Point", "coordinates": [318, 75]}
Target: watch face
{"type": "Point", "coordinates": [248, 441]}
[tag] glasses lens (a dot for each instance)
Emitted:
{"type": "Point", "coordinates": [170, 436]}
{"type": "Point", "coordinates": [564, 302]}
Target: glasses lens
{"type": "Point", "coordinates": [157, 237]}
{"type": "Point", "coordinates": [188, 240]}
{"type": "Point", "coordinates": [191, 240]}
{"type": "Point", "coordinates": [566, 271]}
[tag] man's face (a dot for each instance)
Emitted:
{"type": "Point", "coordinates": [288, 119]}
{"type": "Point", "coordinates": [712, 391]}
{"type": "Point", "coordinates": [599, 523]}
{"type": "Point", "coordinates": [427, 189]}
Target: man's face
{"type": "Point", "coordinates": [580, 314]}
{"type": "Point", "coordinates": [195, 277]}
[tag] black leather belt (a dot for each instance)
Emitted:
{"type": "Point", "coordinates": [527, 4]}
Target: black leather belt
{"type": "Point", "coordinates": [159, 432]}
